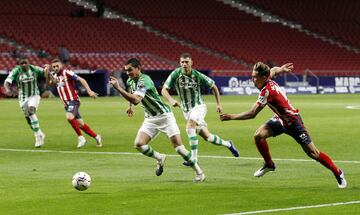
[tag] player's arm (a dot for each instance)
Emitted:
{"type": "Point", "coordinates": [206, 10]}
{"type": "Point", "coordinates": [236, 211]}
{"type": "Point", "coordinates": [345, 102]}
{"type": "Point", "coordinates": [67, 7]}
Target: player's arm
{"type": "Point", "coordinates": [250, 114]}
{"type": "Point", "coordinates": [216, 93]}
{"type": "Point", "coordinates": [168, 97]}
{"type": "Point", "coordinates": [86, 86]}
{"type": "Point", "coordinates": [132, 98]}
{"type": "Point", "coordinates": [275, 71]}
{"type": "Point", "coordinates": [8, 81]}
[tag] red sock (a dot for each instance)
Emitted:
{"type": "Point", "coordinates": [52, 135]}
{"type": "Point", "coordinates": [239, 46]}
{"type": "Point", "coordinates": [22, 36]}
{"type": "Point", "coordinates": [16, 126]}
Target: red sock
{"type": "Point", "coordinates": [263, 148]}
{"type": "Point", "coordinates": [88, 130]}
{"type": "Point", "coordinates": [75, 124]}
{"type": "Point", "coordinates": [328, 163]}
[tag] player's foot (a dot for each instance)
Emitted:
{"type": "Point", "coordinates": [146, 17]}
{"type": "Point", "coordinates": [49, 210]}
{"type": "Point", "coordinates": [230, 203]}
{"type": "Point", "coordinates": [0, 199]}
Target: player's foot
{"type": "Point", "coordinates": [188, 163]}
{"type": "Point", "coordinates": [81, 142]}
{"type": "Point", "coordinates": [233, 149]}
{"type": "Point", "coordinates": [98, 141]}
{"type": "Point", "coordinates": [39, 139]}
{"type": "Point", "coordinates": [160, 165]}
{"type": "Point", "coordinates": [341, 180]}
{"type": "Point", "coordinates": [264, 169]}
{"type": "Point", "coordinates": [199, 178]}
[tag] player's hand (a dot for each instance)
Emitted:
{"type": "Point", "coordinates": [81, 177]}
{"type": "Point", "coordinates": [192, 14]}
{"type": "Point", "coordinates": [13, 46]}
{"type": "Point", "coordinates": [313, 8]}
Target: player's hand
{"type": "Point", "coordinates": [8, 92]}
{"type": "Point", "coordinates": [129, 112]}
{"type": "Point", "coordinates": [219, 109]}
{"type": "Point", "coordinates": [288, 67]}
{"type": "Point", "coordinates": [114, 82]}
{"type": "Point", "coordinates": [92, 94]}
{"type": "Point", "coordinates": [225, 117]}
{"type": "Point", "coordinates": [175, 103]}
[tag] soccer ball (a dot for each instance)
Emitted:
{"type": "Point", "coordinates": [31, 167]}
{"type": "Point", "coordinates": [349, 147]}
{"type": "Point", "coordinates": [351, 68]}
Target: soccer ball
{"type": "Point", "coordinates": [81, 181]}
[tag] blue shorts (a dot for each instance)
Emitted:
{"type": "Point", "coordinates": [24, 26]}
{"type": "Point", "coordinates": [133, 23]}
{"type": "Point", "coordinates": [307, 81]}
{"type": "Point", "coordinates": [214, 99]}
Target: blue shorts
{"type": "Point", "coordinates": [73, 107]}
{"type": "Point", "coordinates": [295, 129]}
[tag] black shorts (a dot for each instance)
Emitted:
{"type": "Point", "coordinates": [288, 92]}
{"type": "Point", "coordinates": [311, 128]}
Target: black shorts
{"type": "Point", "coordinates": [295, 129]}
{"type": "Point", "coordinates": [73, 107]}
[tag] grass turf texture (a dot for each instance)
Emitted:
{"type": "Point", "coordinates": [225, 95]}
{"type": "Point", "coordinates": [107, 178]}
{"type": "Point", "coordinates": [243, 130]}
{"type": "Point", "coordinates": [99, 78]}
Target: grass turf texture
{"type": "Point", "coordinates": [40, 183]}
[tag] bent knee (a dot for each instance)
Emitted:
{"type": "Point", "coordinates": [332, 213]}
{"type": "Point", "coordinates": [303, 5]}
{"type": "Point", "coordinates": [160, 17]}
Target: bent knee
{"type": "Point", "coordinates": [32, 110]}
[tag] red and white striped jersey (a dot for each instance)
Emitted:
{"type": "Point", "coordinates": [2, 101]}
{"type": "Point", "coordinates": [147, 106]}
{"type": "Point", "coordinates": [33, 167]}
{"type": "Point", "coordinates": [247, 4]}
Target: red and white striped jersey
{"type": "Point", "coordinates": [272, 96]}
{"type": "Point", "coordinates": [65, 84]}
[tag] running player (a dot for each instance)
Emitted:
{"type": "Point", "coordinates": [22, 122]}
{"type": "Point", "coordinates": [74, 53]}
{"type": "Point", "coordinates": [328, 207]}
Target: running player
{"type": "Point", "coordinates": [65, 82]}
{"type": "Point", "coordinates": [188, 82]}
{"type": "Point", "coordinates": [158, 117]}
{"type": "Point", "coordinates": [286, 120]}
{"type": "Point", "coordinates": [26, 75]}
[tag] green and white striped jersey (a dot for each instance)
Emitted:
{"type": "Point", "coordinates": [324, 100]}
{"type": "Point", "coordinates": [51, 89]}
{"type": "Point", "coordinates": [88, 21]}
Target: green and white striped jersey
{"type": "Point", "coordinates": [188, 87]}
{"type": "Point", "coordinates": [151, 102]}
{"type": "Point", "coordinates": [26, 81]}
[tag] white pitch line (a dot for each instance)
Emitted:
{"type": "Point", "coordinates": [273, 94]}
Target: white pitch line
{"type": "Point", "coordinates": [170, 155]}
{"type": "Point", "coordinates": [297, 208]}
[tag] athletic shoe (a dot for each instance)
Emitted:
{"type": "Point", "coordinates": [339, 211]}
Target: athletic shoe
{"type": "Point", "coordinates": [81, 142]}
{"type": "Point", "coordinates": [199, 178]}
{"type": "Point", "coordinates": [341, 180]}
{"type": "Point", "coordinates": [264, 169]}
{"type": "Point", "coordinates": [233, 149]}
{"type": "Point", "coordinates": [98, 141]}
{"type": "Point", "coordinates": [39, 140]}
{"type": "Point", "coordinates": [160, 165]}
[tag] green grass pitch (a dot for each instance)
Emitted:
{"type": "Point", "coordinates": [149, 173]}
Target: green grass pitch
{"type": "Point", "coordinates": [40, 183]}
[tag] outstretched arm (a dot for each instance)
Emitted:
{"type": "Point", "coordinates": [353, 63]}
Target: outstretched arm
{"type": "Point", "coordinates": [288, 67]}
{"type": "Point", "coordinates": [167, 96]}
{"type": "Point", "coordinates": [216, 93]}
{"type": "Point", "coordinates": [86, 85]}
{"type": "Point", "coordinates": [132, 98]}
{"type": "Point", "coordinates": [250, 114]}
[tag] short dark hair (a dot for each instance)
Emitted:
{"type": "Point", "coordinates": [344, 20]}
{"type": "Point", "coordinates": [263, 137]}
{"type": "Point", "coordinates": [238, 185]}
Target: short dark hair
{"type": "Point", "coordinates": [22, 58]}
{"type": "Point", "coordinates": [134, 62]}
{"type": "Point", "coordinates": [56, 60]}
{"type": "Point", "coordinates": [262, 69]}
{"type": "Point", "coordinates": [185, 55]}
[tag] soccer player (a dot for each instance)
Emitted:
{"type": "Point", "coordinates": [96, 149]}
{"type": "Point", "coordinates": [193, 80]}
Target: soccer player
{"type": "Point", "coordinates": [286, 120]}
{"type": "Point", "coordinates": [158, 117]}
{"type": "Point", "coordinates": [65, 82]}
{"type": "Point", "coordinates": [188, 82]}
{"type": "Point", "coordinates": [26, 75]}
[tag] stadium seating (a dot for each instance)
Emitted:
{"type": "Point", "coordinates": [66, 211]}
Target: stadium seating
{"type": "Point", "coordinates": [337, 18]}
{"type": "Point", "coordinates": [238, 34]}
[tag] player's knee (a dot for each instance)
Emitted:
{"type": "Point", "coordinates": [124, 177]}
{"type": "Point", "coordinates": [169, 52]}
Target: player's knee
{"type": "Point", "coordinates": [258, 135]}
{"type": "Point", "coordinates": [138, 144]}
{"type": "Point", "coordinates": [32, 110]}
{"type": "Point", "coordinates": [314, 154]}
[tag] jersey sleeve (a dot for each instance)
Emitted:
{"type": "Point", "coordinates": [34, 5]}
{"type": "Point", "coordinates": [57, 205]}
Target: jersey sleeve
{"type": "Point", "coordinates": [263, 97]}
{"type": "Point", "coordinates": [71, 74]}
{"type": "Point", "coordinates": [12, 75]}
{"type": "Point", "coordinates": [37, 70]}
{"type": "Point", "coordinates": [170, 81]}
{"type": "Point", "coordinates": [142, 86]}
{"type": "Point", "coordinates": [206, 80]}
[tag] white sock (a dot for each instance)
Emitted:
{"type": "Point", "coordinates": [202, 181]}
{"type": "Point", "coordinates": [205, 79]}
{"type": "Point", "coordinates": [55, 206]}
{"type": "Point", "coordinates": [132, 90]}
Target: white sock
{"type": "Point", "coordinates": [149, 151]}
{"type": "Point", "coordinates": [193, 141]}
{"type": "Point", "coordinates": [216, 140]}
{"type": "Point", "coordinates": [181, 150]}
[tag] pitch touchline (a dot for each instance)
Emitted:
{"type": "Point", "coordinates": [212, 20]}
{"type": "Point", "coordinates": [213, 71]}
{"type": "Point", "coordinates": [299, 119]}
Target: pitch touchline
{"type": "Point", "coordinates": [296, 208]}
{"type": "Point", "coordinates": [171, 155]}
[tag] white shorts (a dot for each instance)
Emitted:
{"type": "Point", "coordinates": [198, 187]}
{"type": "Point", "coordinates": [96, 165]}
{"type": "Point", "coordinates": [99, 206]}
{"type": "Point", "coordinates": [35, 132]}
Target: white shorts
{"type": "Point", "coordinates": [197, 114]}
{"type": "Point", "coordinates": [32, 101]}
{"type": "Point", "coordinates": [165, 123]}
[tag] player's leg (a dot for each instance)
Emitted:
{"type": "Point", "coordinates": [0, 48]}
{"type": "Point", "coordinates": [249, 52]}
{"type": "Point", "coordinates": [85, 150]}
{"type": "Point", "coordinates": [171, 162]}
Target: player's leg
{"type": "Point", "coordinates": [141, 144]}
{"type": "Point", "coordinates": [260, 136]}
{"type": "Point", "coordinates": [216, 140]}
{"type": "Point", "coordinates": [186, 155]}
{"type": "Point", "coordinates": [30, 111]}
{"type": "Point", "coordinates": [193, 139]}
{"type": "Point", "coordinates": [149, 129]}
{"type": "Point", "coordinates": [86, 128]}
{"type": "Point", "coordinates": [71, 113]}
{"type": "Point", "coordinates": [171, 129]}
{"type": "Point", "coordinates": [311, 150]}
